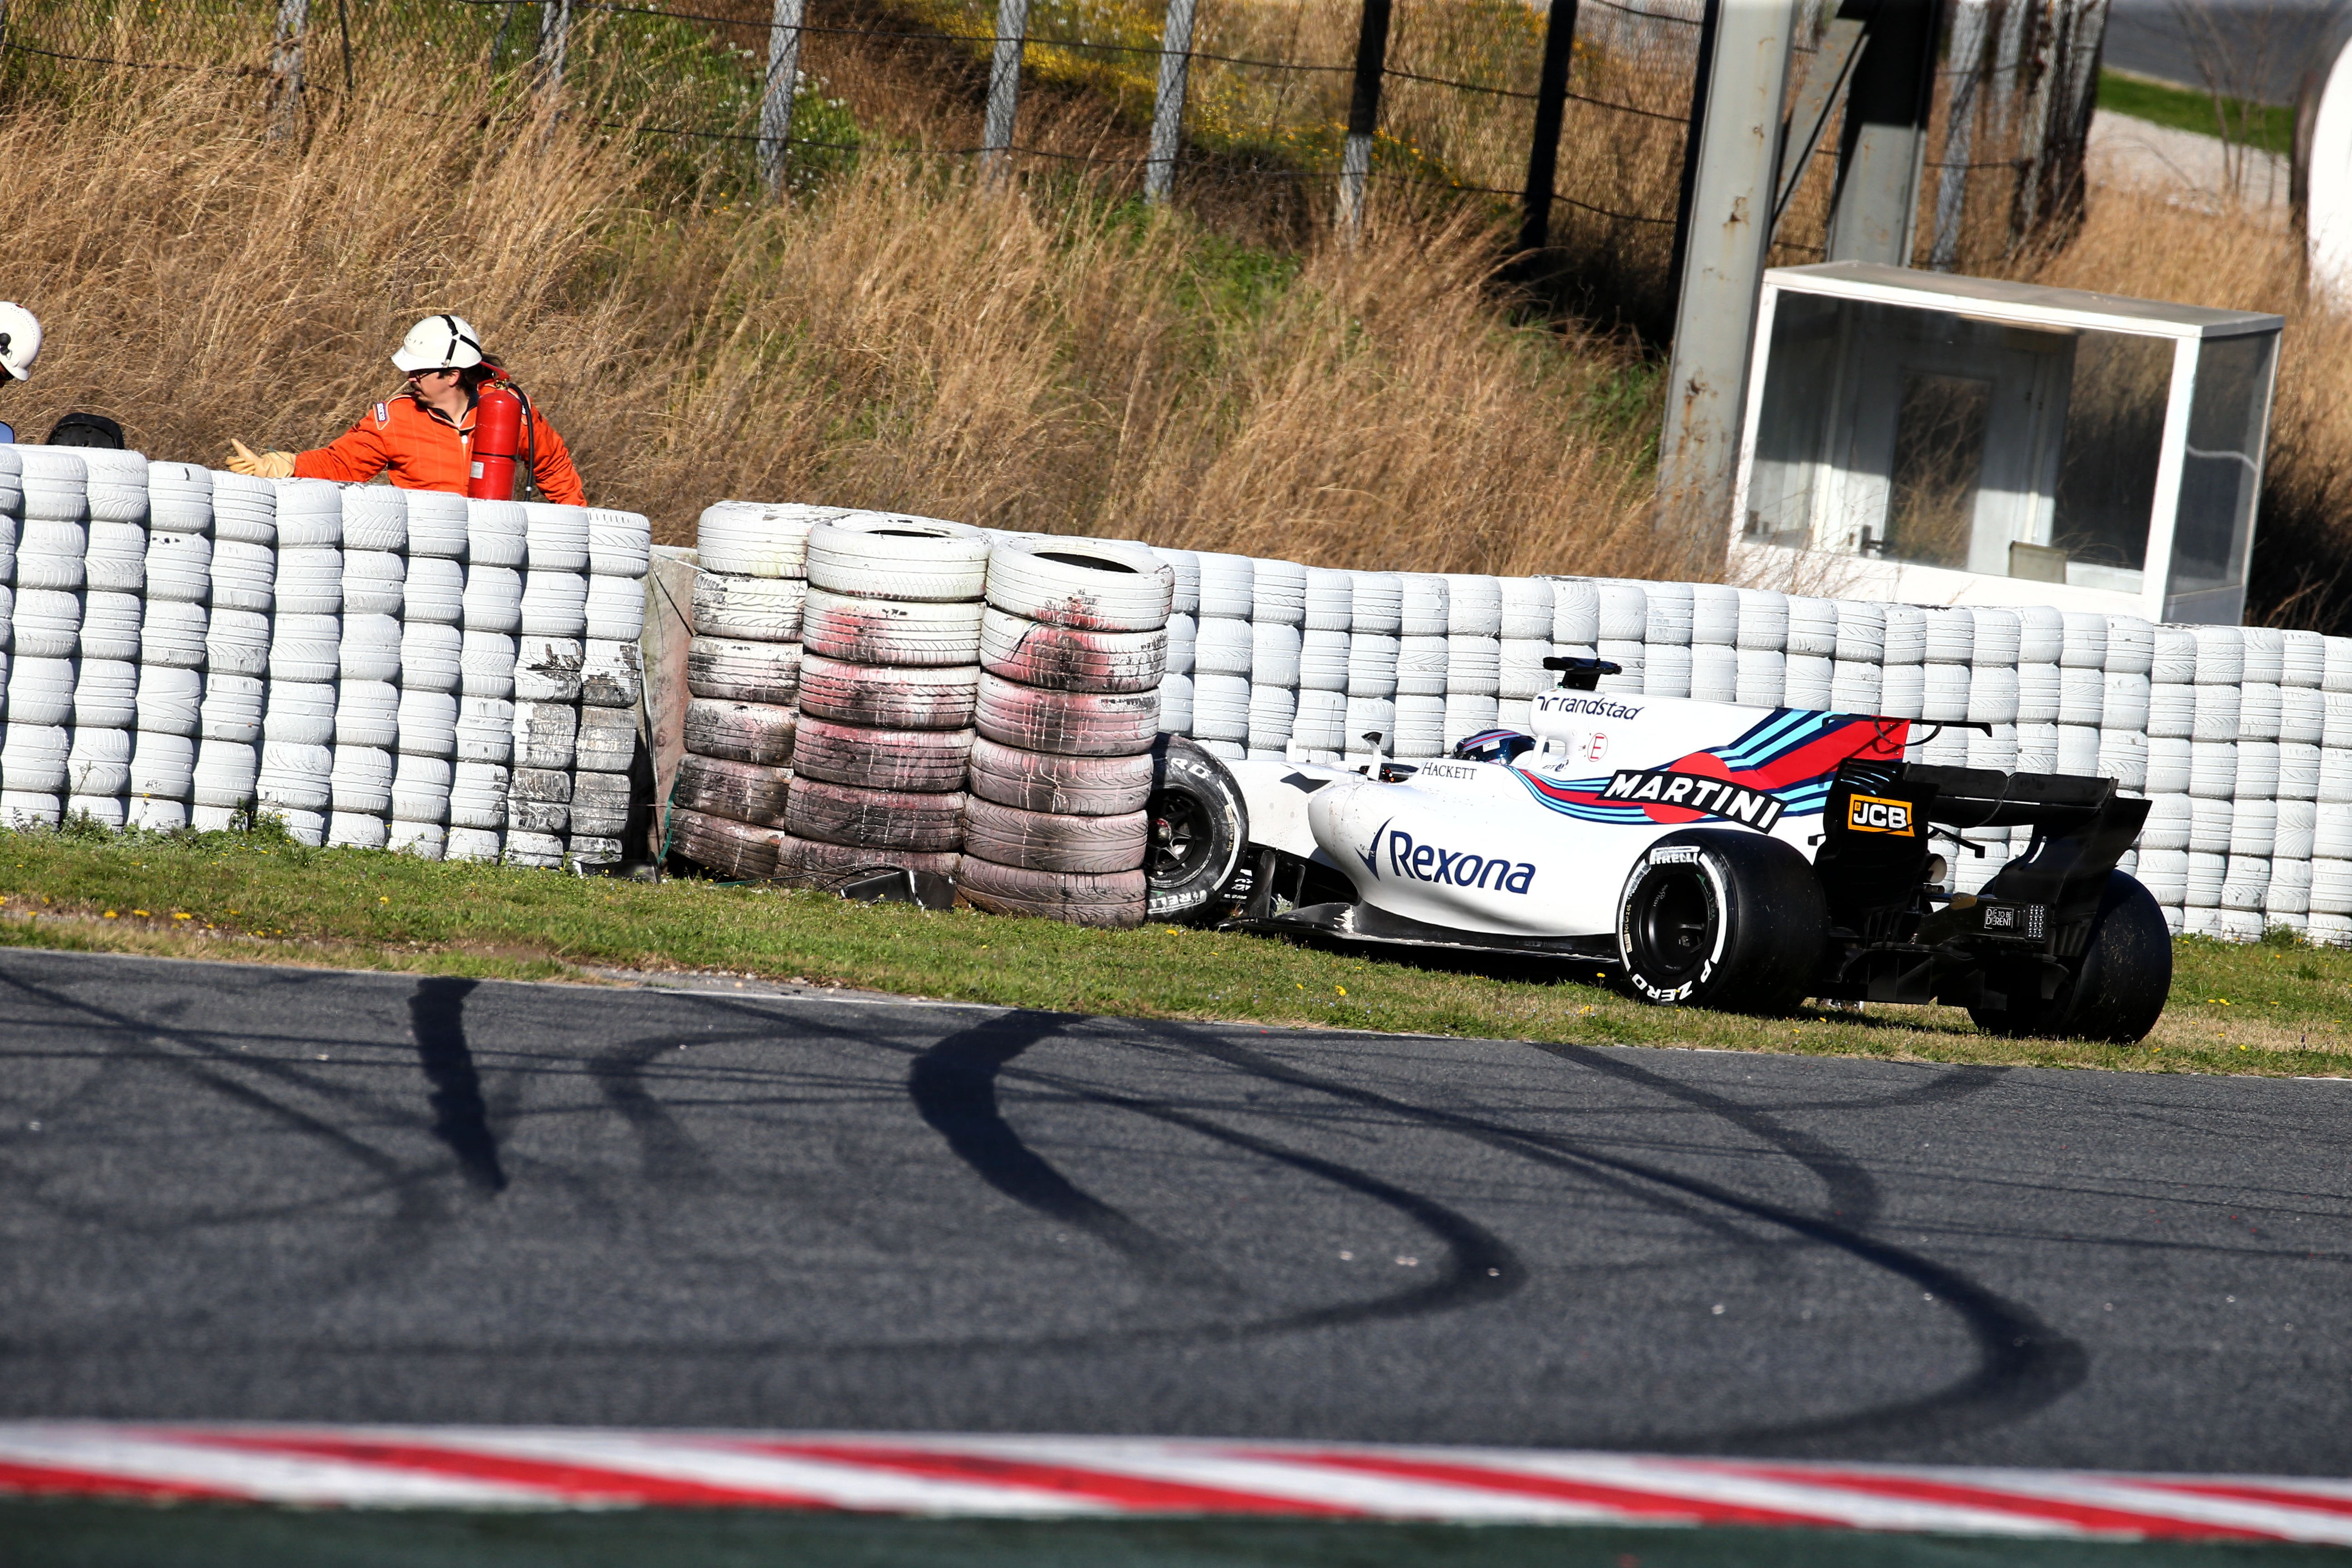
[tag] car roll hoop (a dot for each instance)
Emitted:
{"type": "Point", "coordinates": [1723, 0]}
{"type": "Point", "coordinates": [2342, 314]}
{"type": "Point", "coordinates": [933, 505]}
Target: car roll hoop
{"type": "Point", "coordinates": [1581, 673]}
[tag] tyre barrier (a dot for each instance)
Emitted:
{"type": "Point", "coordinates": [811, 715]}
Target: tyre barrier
{"type": "Point", "coordinates": [1114, 901]}
{"type": "Point", "coordinates": [1074, 648]}
{"type": "Point", "coordinates": [922, 761]}
{"type": "Point", "coordinates": [745, 792]}
{"type": "Point", "coordinates": [1067, 787]}
{"type": "Point", "coordinates": [1066, 724]}
{"type": "Point", "coordinates": [1049, 841]}
{"type": "Point", "coordinates": [215, 645]}
{"type": "Point", "coordinates": [743, 678]}
{"type": "Point", "coordinates": [882, 819]}
{"type": "Point", "coordinates": [890, 631]}
{"type": "Point", "coordinates": [113, 561]}
{"type": "Point", "coordinates": [732, 670]}
{"type": "Point", "coordinates": [891, 634]}
{"type": "Point", "coordinates": [813, 863]}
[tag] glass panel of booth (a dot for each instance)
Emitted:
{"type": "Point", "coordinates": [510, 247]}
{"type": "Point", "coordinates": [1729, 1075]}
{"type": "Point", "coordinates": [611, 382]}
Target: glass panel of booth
{"type": "Point", "coordinates": [1934, 437]}
{"type": "Point", "coordinates": [2221, 463]}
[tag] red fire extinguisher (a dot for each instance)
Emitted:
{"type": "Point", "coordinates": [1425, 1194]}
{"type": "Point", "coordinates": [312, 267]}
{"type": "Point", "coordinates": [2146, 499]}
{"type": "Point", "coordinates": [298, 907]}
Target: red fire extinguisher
{"type": "Point", "coordinates": [497, 442]}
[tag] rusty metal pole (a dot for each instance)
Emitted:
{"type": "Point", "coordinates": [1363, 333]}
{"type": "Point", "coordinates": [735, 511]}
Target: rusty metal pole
{"type": "Point", "coordinates": [1726, 231]}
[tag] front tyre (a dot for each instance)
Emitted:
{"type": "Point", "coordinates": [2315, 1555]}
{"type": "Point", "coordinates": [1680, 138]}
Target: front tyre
{"type": "Point", "coordinates": [2117, 989]}
{"type": "Point", "coordinates": [1712, 918]}
{"type": "Point", "coordinates": [1198, 827]}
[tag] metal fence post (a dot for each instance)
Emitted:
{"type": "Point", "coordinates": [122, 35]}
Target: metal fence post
{"type": "Point", "coordinates": [1551, 110]}
{"type": "Point", "coordinates": [1965, 61]}
{"type": "Point", "coordinates": [776, 103]}
{"type": "Point", "coordinates": [1726, 232]}
{"type": "Point", "coordinates": [285, 64]}
{"type": "Point", "coordinates": [1363, 114]}
{"type": "Point", "coordinates": [1003, 85]}
{"type": "Point", "coordinates": [554, 42]}
{"type": "Point", "coordinates": [1874, 212]}
{"type": "Point", "coordinates": [1168, 108]}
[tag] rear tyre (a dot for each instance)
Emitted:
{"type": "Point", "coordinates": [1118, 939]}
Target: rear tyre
{"type": "Point", "coordinates": [1717, 919]}
{"type": "Point", "coordinates": [2116, 992]}
{"type": "Point", "coordinates": [1199, 827]}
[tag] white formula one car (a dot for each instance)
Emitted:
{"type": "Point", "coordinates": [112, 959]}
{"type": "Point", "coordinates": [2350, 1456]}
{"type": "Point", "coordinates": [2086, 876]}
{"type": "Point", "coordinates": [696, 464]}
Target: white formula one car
{"type": "Point", "coordinates": [1718, 856]}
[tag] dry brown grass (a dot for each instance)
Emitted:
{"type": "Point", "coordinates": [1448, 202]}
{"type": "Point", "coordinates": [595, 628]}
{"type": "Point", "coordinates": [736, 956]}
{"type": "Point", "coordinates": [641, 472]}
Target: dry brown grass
{"type": "Point", "coordinates": [1040, 358]}
{"type": "Point", "coordinates": [1046, 357]}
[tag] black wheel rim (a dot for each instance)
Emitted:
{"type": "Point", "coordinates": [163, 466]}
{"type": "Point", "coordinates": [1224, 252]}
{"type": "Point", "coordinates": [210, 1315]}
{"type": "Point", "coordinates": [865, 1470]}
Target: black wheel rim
{"type": "Point", "coordinates": [1180, 838]}
{"type": "Point", "coordinates": [1671, 923]}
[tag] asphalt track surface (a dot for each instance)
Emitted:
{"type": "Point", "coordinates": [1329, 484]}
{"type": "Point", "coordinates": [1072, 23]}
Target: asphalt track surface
{"type": "Point", "coordinates": [279, 1195]}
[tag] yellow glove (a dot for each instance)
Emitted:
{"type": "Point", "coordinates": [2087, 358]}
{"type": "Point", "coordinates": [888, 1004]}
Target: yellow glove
{"type": "Point", "coordinates": [260, 465]}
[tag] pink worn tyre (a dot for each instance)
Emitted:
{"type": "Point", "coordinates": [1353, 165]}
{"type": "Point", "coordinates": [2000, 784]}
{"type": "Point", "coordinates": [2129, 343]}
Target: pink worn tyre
{"type": "Point", "coordinates": [810, 862]}
{"type": "Point", "coordinates": [739, 731]}
{"type": "Point", "coordinates": [746, 792]}
{"type": "Point", "coordinates": [926, 761]}
{"type": "Point", "coordinates": [732, 849]}
{"type": "Point", "coordinates": [889, 631]}
{"type": "Point", "coordinates": [1067, 786]}
{"type": "Point", "coordinates": [889, 697]}
{"type": "Point", "coordinates": [1068, 723]}
{"type": "Point", "coordinates": [1040, 841]}
{"type": "Point", "coordinates": [1069, 659]}
{"type": "Point", "coordinates": [875, 818]}
{"type": "Point", "coordinates": [1116, 900]}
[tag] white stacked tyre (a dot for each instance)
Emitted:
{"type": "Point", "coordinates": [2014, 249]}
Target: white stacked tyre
{"type": "Point", "coordinates": [611, 685]}
{"type": "Point", "coordinates": [47, 581]}
{"type": "Point", "coordinates": [1277, 621]}
{"type": "Point", "coordinates": [1320, 728]}
{"type": "Point", "coordinates": [2302, 725]}
{"type": "Point", "coordinates": [1375, 652]}
{"type": "Point", "coordinates": [2331, 848]}
{"type": "Point", "coordinates": [1073, 646]}
{"type": "Point", "coordinates": [297, 730]}
{"type": "Point", "coordinates": [552, 628]}
{"type": "Point", "coordinates": [1424, 641]}
{"type": "Point", "coordinates": [890, 672]}
{"type": "Point", "coordinates": [367, 692]}
{"type": "Point", "coordinates": [1223, 653]}
{"type": "Point", "coordinates": [437, 666]}
{"type": "Point", "coordinates": [237, 650]}
{"type": "Point", "coordinates": [97, 765]}
{"type": "Point", "coordinates": [171, 646]}
{"type": "Point", "coordinates": [743, 671]}
{"type": "Point", "coordinates": [1176, 716]}
{"type": "Point", "coordinates": [1473, 655]}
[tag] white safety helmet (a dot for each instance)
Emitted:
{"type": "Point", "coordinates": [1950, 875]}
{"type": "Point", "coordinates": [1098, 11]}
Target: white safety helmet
{"type": "Point", "coordinates": [20, 340]}
{"type": "Point", "coordinates": [440, 343]}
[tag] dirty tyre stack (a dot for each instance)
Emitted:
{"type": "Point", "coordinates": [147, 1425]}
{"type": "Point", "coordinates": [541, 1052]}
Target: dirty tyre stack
{"type": "Point", "coordinates": [891, 634]}
{"type": "Point", "coordinates": [1073, 648]}
{"type": "Point", "coordinates": [743, 672]}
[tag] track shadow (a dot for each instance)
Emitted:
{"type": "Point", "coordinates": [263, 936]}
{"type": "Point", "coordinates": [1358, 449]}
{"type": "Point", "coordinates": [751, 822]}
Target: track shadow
{"type": "Point", "coordinates": [436, 1015]}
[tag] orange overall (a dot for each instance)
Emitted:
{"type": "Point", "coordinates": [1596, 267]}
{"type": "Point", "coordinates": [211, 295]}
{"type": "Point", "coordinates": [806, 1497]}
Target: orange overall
{"type": "Point", "coordinates": [425, 452]}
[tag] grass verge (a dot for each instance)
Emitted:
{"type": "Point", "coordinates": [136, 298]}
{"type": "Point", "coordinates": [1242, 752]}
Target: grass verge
{"type": "Point", "coordinates": [2272, 1008]}
{"type": "Point", "coordinates": [2269, 127]}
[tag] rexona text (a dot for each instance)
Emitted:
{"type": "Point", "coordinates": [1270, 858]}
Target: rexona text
{"type": "Point", "coordinates": [1454, 867]}
{"type": "Point", "coordinates": [1697, 792]}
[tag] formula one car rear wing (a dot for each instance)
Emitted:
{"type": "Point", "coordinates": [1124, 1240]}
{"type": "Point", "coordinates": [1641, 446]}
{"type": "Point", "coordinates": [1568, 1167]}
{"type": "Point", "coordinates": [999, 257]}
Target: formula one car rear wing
{"type": "Point", "coordinates": [1879, 824]}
